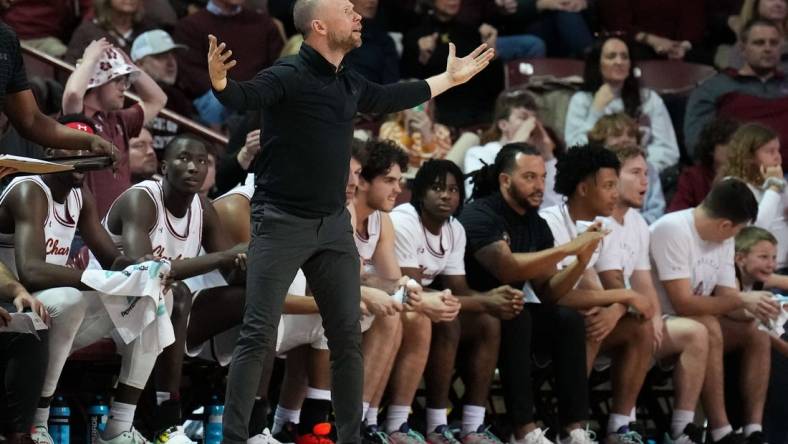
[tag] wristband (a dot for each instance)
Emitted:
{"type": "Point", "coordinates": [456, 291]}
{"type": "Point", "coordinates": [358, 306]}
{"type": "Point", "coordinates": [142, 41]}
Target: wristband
{"type": "Point", "coordinates": [773, 182]}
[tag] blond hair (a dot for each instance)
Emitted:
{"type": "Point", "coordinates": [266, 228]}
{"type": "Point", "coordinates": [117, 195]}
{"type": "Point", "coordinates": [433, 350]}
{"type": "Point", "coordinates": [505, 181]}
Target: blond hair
{"type": "Point", "coordinates": [103, 13]}
{"type": "Point", "coordinates": [749, 236]}
{"type": "Point", "coordinates": [741, 152]}
{"type": "Point", "coordinates": [610, 124]}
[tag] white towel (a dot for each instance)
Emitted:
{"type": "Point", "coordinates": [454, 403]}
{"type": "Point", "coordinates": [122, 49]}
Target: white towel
{"type": "Point", "coordinates": [136, 301]}
{"type": "Point", "coordinates": [776, 327]}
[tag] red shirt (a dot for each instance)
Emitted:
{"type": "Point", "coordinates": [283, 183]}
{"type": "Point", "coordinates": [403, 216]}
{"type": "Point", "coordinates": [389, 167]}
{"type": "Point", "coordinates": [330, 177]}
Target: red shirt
{"type": "Point", "coordinates": [694, 184]}
{"type": "Point", "coordinates": [117, 127]}
{"type": "Point", "coordinates": [33, 19]}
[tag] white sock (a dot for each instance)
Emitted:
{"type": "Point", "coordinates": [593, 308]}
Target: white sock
{"type": "Point", "coordinates": [282, 416]}
{"type": "Point", "coordinates": [472, 418]}
{"type": "Point", "coordinates": [315, 393]}
{"type": "Point", "coordinates": [121, 416]}
{"type": "Point", "coordinates": [364, 408]}
{"type": "Point", "coordinates": [372, 416]}
{"type": "Point", "coordinates": [162, 396]}
{"type": "Point", "coordinates": [749, 429]}
{"type": "Point", "coordinates": [718, 434]}
{"type": "Point", "coordinates": [633, 415]}
{"type": "Point", "coordinates": [41, 417]}
{"type": "Point", "coordinates": [396, 416]}
{"type": "Point", "coordinates": [679, 421]}
{"type": "Point", "coordinates": [615, 421]}
{"type": "Point", "coordinates": [435, 418]}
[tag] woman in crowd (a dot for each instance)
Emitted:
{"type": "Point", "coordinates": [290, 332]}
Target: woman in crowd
{"type": "Point", "coordinates": [119, 21]}
{"type": "Point", "coordinates": [711, 154]}
{"type": "Point", "coordinates": [754, 157]}
{"type": "Point", "coordinates": [610, 86]}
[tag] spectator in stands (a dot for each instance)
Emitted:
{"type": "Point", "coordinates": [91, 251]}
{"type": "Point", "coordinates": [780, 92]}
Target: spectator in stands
{"type": "Point", "coordinates": [209, 186]}
{"type": "Point", "coordinates": [516, 121]}
{"type": "Point", "coordinates": [143, 164]}
{"type": "Point", "coordinates": [559, 23]}
{"type": "Point", "coordinates": [620, 130]}
{"type": "Point", "coordinates": [117, 21]}
{"type": "Point", "coordinates": [19, 106]}
{"type": "Point", "coordinates": [45, 24]}
{"type": "Point", "coordinates": [430, 247]}
{"type": "Point", "coordinates": [377, 59]}
{"type": "Point", "coordinates": [693, 255]}
{"type": "Point", "coordinates": [39, 216]}
{"type": "Point", "coordinates": [711, 153]}
{"type": "Point", "coordinates": [624, 262]}
{"type": "Point", "coordinates": [23, 358]}
{"type": "Point", "coordinates": [774, 10]}
{"type": "Point", "coordinates": [192, 226]}
{"type": "Point", "coordinates": [154, 53]}
{"type": "Point", "coordinates": [255, 38]}
{"type": "Point", "coordinates": [509, 243]}
{"type": "Point", "coordinates": [611, 86]}
{"type": "Point", "coordinates": [96, 88]}
{"type": "Point", "coordinates": [754, 157]}
{"type": "Point", "coordinates": [588, 176]}
{"type": "Point", "coordinates": [426, 46]}
{"type": "Point", "coordinates": [755, 92]}
{"type": "Point", "coordinates": [672, 29]}
{"type": "Point", "coordinates": [415, 130]}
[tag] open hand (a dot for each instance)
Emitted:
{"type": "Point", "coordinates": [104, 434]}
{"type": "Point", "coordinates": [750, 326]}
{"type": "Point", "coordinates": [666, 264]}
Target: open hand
{"type": "Point", "coordinates": [24, 300]}
{"type": "Point", "coordinates": [218, 63]}
{"type": "Point", "coordinates": [460, 70]}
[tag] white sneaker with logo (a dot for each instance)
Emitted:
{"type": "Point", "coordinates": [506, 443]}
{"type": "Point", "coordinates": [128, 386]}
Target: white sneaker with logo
{"type": "Point", "coordinates": [129, 437]}
{"type": "Point", "coordinates": [263, 438]}
{"type": "Point", "coordinates": [580, 436]}
{"type": "Point", "coordinates": [41, 435]}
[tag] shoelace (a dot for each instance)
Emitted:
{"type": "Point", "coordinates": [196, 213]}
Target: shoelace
{"type": "Point", "coordinates": [588, 435]}
{"type": "Point", "coordinates": [416, 435]}
{"type": "Point", "coordinates": [631, 437]}
{"type": "Point", "coordinates": [381, 436]}
{"type": "Point", "coordinates": [448, 435]}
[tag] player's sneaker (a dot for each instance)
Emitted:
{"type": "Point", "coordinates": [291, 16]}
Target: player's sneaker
{"type": "Point", "coordinates": [692, 435]}
{"type": "Point", "coordinates": [320, 435]}
{"type": "Point", "coordinates": [173, 435]}
{"type": "Point", "coordinates": [41, 435]}
{"type": "Point", "coordinates": [442, 434]}
{"type": "Point", "coordinates": [406, 435]}
{"type": "Point", "coordinates": [482, 435]}
{"type": "Point", "coordinates": [129, 437]}
{"type": "Point", "coordinates": [373, 434]}
{"type": "Point", "coordinates": [263, 438]}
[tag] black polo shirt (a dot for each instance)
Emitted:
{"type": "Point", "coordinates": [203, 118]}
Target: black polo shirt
{"type": "Point", "coordinates": [308, 106]}
{"type": "Point", "coordinates": [12, 70]}
{"type": "Point", "coordinates": [490, 219]}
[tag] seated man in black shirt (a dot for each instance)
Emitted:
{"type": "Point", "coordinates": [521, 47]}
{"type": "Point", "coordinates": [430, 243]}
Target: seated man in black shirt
{"type": "Point", "coordinates": [508, 243]}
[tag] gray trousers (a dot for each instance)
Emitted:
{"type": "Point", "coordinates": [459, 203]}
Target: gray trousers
{"type": "Point", "coordinates": [324, 249]}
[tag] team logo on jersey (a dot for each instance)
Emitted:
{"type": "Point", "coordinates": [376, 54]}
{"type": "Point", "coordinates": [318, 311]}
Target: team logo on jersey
{"type": "Point", "coordinates": [158, 252]}
{"type": "Point", "coordinates": [53, 248]}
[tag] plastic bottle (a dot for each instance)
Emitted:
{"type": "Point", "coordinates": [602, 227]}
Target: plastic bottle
{"type": "Point", "coordinates": [213, 427]}
{"type": "Point", "coordinates": [97, 420]}
{"type": "Point", "coordinates": [59, 414]}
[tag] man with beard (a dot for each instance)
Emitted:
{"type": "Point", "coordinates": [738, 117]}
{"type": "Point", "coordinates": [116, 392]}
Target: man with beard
{"type": "Point", "coordinates": [624, 263]}
{"type": "Point", "coordinates": [588, 176]}
{"type": "Point", "coordinates": [509, 243]}
{"type": "Point", "coordinates": [299, 219]}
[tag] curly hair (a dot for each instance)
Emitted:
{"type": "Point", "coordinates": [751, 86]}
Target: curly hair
{"type": "Point", "coordinates": [580, 163]}
{"type": "Point", "coordinates": [592, 77]}
{"type": "Point", "coordinates": [717, 132]}
{"type": "Point", "coordinates": [434, 171]}
{"type": "Point", "coordinates": [379, 155]}
{"type": "Point", "coordinates": [741, 152]}
{"type": "Point", "coordinates": [613, 124]}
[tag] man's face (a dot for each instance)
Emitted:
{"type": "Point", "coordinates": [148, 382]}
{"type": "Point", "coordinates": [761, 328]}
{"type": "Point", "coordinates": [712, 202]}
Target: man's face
{"type": "Point", "coordinates": [525, 183]}
{"type": "Point", "coordinates": [186, 166]}
{"type": "Point", "coordinates": [633, 182]}
{"type": "Point", "coordinates": [442, 199]}
{"type": "Point", "coordinates": [352, 180]}
{"type": "Point", "coordinates": [142, 157]}
{"type": "Point", "coordinates": [161, 67]}
{"type": "Point", "coordinates": [602, 191]}
{"type": "Point", "coordinates": [110, 95]}
{"type": "Point", "coordinates": [762, 49]}
{"type": "Point", "coordinates": [381, 193]}
{"type": "Point", "coordinates": [366, 8]}
{"type": "Point", "coordinates": [342, 23]}
{"type": "Point", "coordinates": [760, 262]}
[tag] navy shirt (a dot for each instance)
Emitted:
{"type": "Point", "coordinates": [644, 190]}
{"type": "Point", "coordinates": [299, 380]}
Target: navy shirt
{"type": "Point", "coordinates": [308, 107]}
{"type": "Point", "coordinates": [12, 70]}
{"type": "Point", "coordinates": [490, 219]}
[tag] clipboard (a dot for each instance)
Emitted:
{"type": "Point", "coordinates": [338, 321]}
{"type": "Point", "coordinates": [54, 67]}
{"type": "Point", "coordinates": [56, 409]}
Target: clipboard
{"type": "Point", "coordinates": [56, 164]}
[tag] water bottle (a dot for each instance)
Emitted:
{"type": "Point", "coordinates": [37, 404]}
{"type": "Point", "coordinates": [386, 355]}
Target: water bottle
{"type": "Point", "coordinates": [97, 419]}
{"type": "Point", "coordinates": [58, 421]}
{"type": "Point", "coordinates": [213, 428]}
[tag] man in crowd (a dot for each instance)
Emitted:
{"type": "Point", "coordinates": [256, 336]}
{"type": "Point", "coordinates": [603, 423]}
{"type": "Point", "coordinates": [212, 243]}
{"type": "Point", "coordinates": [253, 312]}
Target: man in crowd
{"type": "Point", "coordinates": [143, 163]}
{"type": "Point", "coordinates": [430, 247]}
{"type": "Point", "coordinates": [588, 176]}
{"type": "Point", "coordinates": [693, 255]}
{"type": "Point", "coordinates": [624, 263]}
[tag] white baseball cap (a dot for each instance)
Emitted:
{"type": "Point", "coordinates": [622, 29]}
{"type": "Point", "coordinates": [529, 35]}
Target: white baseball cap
{"type": "Point", "coordinates": [152, 43]}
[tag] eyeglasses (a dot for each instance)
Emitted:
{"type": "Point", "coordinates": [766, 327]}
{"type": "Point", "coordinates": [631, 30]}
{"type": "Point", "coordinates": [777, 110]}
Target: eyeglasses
{"type": "Point", "coordinates": [125, 81]}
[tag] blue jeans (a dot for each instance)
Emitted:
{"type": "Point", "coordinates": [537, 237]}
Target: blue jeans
{"type": "Point", "coordinates": [521, 46]}
{"type": "Point", "coordinates": [566, 33]}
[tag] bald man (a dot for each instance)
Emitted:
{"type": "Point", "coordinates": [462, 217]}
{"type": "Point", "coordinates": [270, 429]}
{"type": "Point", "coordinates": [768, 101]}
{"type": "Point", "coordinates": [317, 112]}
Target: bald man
{"type": "Point", "coordinates": [299, 219]}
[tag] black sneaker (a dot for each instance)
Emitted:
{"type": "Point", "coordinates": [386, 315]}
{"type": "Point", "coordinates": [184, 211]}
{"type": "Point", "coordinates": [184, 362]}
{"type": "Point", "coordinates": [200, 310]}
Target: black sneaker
{"type": "Point", "coordinates": [373, 434]}
{"type": "Point", "coordinates": [755, 438]}
{"type": "Point", "coordinates": [288, 434]}
{"type": "Point", "coordinates": [692, 434]}
{"type": "Point", "coordinates": [731, 438]}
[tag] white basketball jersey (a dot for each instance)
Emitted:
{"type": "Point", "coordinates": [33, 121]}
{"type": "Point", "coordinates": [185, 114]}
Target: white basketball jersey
{"type": "Point", "coordinates": [171, 237]}
{"type": "Point", "coordinates": [245, 189]}
{"type": "Point", "coordinates": [60, 224]}
{"type": "Point", "coordinates": [366, 246]}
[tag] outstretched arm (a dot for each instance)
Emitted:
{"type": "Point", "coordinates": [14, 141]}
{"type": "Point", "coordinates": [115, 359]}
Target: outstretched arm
{"type": "Point", "coordinates": [460, 70]}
